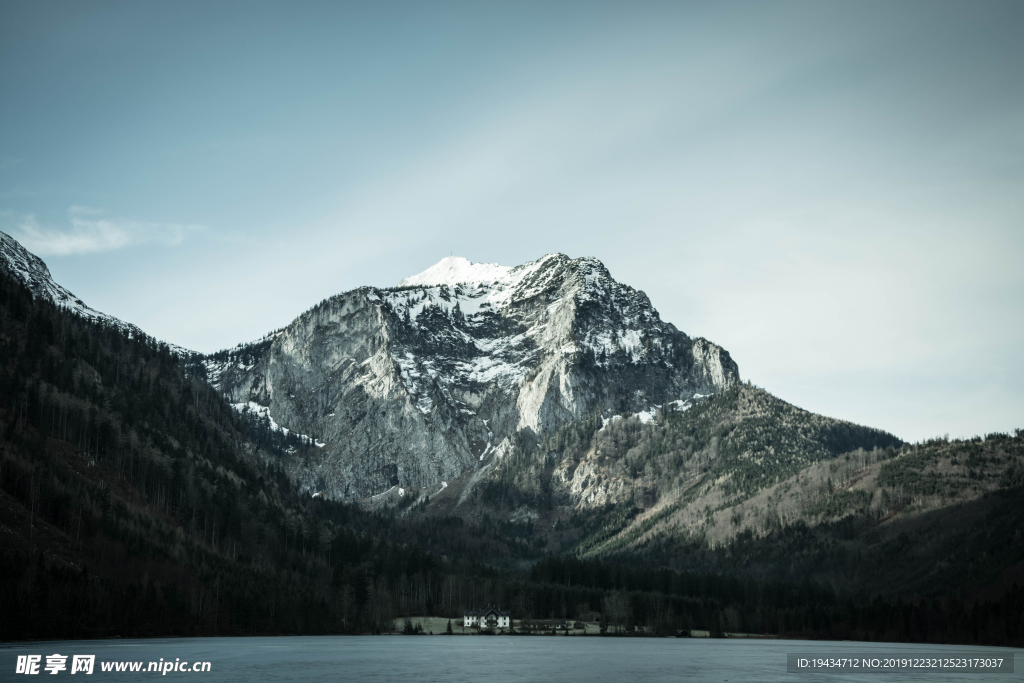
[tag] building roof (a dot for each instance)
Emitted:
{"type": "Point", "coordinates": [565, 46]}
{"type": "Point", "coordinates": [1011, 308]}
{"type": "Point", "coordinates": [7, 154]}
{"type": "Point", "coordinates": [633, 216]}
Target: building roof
{"type": "Point", "coordinates": [485, 611]}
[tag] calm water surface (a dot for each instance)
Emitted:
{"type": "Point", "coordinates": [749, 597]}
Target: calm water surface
{"type": "Point", "coordinates": [426, 659]}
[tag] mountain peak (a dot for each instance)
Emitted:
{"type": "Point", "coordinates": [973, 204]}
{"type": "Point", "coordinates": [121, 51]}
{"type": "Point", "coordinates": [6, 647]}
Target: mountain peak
{"type": "Point", "coordinates": [453, 270]}
{"type": "Point", "coordinates": [418, 384]}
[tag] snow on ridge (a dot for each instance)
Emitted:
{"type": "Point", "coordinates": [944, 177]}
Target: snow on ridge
{"type": "Point", "coordinates": [456, 270]}
{"type": "Point", "coordinates": [651, 414]}
{"type": "Point", "coordinates": [645, 417]}
{"type": "Point", "coordinates": [480, 290]}
{"type": "Point", "coordinates": [478, 287]}
{"type": "Point", "coordinates": [263, 413]}
{"type": "Point", "coordinates": [33, 272]}
{"type": "Point", "coordinates": [453, 270]}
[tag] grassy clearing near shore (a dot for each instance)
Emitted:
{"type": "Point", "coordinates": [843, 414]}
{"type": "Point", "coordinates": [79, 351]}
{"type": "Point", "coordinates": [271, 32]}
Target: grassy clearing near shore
{"type": "Point", "coordinates": [439, 626]}
{"type": "Point", "coordinates": [435, 625]}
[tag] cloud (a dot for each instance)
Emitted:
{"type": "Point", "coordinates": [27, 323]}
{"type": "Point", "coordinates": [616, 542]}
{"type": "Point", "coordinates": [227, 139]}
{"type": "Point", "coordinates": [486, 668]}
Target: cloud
{"type": "Point", "coordinates": [90, 231]}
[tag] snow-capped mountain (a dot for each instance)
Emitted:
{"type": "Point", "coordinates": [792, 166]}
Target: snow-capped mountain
{"type": "Point", "coordinates": [414, 385]}
{"type": "Point", "coordinates": [29, 269]}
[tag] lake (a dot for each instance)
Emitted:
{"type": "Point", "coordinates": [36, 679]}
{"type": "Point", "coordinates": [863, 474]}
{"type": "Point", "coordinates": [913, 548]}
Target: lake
{"type": "Point", "coordinates": [425, 659]}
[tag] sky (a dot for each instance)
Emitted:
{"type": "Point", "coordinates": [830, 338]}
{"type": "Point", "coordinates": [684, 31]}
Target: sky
{"type": "Point", "coordinates": [833, 192]}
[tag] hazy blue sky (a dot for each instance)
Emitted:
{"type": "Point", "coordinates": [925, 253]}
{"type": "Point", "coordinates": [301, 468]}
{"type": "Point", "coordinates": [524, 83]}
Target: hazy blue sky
{"type": "Point", "coordinates": [832, 191]}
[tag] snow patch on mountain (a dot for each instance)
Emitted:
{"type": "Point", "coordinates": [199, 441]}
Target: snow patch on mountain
{"type": "Point", "coordinates": [454, 270]}
{"type": "Point", "coordinates": [651, 414]}
{"type": "Point", "coordinates": [263, 413]}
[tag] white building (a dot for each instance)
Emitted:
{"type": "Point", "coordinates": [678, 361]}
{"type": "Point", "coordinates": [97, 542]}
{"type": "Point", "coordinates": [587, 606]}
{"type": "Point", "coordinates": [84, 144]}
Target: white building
{"type": "Point", "coordinates": [488, 617]}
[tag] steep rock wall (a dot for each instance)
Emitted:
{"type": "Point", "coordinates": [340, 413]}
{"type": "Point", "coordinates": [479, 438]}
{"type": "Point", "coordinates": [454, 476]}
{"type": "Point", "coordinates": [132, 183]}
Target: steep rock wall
{"type": "Point", "coordinates": [411, 386]}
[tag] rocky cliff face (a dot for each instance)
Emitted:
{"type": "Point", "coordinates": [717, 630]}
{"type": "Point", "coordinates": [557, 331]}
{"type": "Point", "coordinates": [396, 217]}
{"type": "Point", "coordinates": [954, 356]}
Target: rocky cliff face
{"type": "Point", "coordinates": [413, 385]}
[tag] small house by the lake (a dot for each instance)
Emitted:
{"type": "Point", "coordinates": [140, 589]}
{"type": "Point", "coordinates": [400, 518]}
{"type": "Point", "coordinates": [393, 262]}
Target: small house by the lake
{"type": "Point", "coordinates": [488, 617]}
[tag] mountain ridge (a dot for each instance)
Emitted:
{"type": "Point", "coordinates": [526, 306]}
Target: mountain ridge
{"type": "Point", "coordinates": [734, 484]}
{"type": "Point", "coordinates": [32, 271]}
{"type": "Point", "coordinates": [454, 361]}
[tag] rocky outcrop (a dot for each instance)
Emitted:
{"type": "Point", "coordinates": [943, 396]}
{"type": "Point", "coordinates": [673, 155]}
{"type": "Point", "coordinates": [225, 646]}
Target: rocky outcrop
{"type": "Point", "coordinates": [30, 270]}
{"type": "Point", "coordinates": [413, 385]}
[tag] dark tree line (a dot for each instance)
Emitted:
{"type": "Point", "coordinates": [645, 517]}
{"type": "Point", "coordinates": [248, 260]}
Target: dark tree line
{"type": "Point", "coordinates": [667, 601]}
{"type": "Point", "coordinates": [139, 503]}
{"type": "Point", "coordinates": [134, 501]}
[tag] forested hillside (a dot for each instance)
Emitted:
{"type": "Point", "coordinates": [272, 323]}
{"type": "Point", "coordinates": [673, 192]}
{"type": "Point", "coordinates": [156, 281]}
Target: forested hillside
{"type": "Point", "coordinates": [134, 501]}
{"type": "Point", "coordinates": [747, 484]}
{"type": "Point", "coordinates": [604, 484]}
